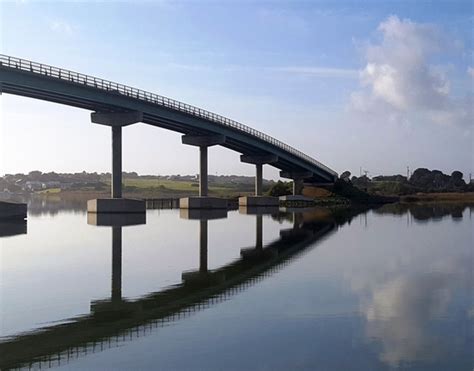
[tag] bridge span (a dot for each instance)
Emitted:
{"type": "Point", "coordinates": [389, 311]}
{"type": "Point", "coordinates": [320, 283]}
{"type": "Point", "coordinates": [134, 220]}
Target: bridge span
{"type": "Point", "coordinates": [118, 105]}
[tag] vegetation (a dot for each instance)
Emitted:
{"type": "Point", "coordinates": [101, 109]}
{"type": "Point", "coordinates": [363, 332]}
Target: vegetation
{"type": "Point", "coordinates": [147, 186]}
{"type": "Point", "coordinates": [421, 181]}
{"type": "Point", "coordinates": [281, 189]}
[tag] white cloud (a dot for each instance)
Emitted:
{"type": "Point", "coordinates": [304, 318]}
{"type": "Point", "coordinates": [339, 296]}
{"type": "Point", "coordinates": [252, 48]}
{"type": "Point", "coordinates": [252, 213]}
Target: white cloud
{"type": "Point", "coordinates": [399, 78]}
{"type": "Point", "coordinates": [61, 26]}
{"type": "Point", "coordinates": [470, 71]}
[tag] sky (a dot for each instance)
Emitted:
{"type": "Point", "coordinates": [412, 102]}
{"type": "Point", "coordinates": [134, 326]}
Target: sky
{"type": "Point", "coordinates": [371, 85]}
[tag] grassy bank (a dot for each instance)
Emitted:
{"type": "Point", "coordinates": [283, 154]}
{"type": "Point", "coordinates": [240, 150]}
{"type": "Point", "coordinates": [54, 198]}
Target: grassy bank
{"type": "Point", "coordinates": [467, 197]}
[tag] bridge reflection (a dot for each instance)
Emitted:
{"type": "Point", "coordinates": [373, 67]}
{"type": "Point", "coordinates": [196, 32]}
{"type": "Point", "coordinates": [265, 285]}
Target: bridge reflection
{"type": "Point", "coordinates": [12, 227]}
{"type": "Point", "coordinates": [115, 320]}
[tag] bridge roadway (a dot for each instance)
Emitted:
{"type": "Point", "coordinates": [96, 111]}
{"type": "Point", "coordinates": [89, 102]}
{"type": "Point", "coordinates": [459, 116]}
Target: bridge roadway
{"type": "Point", "coordinates": [117, 105]}
{"type": "Point", "coordinates": [112, 322]}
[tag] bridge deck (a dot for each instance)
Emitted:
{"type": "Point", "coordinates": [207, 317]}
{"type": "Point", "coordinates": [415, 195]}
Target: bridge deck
{"type": "Point", "coordinates": [40, 81]}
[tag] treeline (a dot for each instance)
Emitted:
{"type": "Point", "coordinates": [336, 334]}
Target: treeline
{"type": "Point", "coordinates": [422, 180]}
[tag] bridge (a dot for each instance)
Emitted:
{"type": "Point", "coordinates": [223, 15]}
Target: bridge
{"type": "Point", "coordinates": [116, 320]}
{"type": "Point", "coordinates": [118, 105]}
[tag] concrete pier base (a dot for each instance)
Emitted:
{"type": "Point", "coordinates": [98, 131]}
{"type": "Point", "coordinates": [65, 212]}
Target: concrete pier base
{"type": "Point", "coordinates": [11, 210]}
{"type": "Point", "coordinates": [202, 203]}
{"type": "Point", "coordinates": [255, 201]}
{"type": "Point", "coordinates": [116, 205]}
{"type": "Point", "coordinates": [295, 198]}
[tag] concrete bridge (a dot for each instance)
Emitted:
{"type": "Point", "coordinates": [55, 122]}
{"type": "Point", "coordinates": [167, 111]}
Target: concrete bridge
{"type": "Point", "coordinates": [117, 105]}
{"type": "Point", "coordinates": [116, 320]}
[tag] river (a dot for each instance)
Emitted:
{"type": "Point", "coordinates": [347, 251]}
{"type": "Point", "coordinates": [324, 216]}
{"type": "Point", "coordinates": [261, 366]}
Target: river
{"type": "Point", "coordinates": [381, 289]}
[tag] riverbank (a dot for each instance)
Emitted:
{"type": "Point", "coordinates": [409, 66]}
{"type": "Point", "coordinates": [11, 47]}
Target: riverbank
{"type": "Point", "coordinates": [467, 197]}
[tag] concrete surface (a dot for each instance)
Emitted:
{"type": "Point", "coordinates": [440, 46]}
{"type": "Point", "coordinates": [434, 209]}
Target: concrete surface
{"type": "Point", "coordinates": [255, 201]}
{"type": "Point", "coordinates": [202, 203]}
{"type": "Point", "coordinates": [295, 198]}
{"type": "Point", "coordinates": [116, 205]}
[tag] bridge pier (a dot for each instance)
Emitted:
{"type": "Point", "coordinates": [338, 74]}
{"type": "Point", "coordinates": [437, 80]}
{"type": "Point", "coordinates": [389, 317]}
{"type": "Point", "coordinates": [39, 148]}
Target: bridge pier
{"type": "Point", "coordinates": [116, 204]}
{"type": "Point", "coordinates": [203, 201]}
{"type": "Point", "coordinates": [298, 179]}
{"type": "Point", "coordinates": [202, 274]}
{"type": "Point", "coordinates": [258, 199]}
{"type": "Point", "coordinates": [116, 181]}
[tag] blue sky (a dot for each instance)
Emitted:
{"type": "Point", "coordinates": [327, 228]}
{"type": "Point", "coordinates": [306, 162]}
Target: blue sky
{"type": "Point", "coordinates": [377, 84]}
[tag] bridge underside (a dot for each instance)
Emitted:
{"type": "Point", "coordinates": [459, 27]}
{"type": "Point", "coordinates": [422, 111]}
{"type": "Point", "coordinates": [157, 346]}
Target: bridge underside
{"type": "Point", "coordinates": [52, 89]}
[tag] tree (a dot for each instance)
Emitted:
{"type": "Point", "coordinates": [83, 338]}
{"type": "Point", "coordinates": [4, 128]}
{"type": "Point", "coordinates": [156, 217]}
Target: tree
{"type": "Point", "coordinates": [280, 189]}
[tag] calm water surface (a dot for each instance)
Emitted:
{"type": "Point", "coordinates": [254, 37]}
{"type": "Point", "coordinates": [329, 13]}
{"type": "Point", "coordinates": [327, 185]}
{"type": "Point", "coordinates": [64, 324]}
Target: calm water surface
{"type": "Point", "coordinates": [390, 288]}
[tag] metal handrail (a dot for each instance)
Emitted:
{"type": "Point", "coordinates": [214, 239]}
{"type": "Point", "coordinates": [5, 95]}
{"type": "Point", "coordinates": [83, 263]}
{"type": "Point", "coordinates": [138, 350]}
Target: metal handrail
{"type": "Point", "coordinates": [79, 78]}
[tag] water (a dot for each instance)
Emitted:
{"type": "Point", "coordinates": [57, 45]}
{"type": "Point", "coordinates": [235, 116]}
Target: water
{"type": "Point", "coordinates": [390, 288]}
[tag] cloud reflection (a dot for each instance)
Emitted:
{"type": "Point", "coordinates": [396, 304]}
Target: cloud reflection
{"type": "Point", "coordinates": [410, 299]}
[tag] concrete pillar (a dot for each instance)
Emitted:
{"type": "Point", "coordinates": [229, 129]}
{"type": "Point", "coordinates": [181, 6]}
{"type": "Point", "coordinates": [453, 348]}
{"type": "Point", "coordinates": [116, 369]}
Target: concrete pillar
{"type": "Point", "coordinates": [259, 232]}
{"type": "Point", "coordinates": [116, 180]}
{"type": "Point", "coordinates": [258, 179]}
{"type": "Point", "coordinates": [116, 264]}
{"type": "Point", "coordinates": [203, 171]}
{"type": "Point", "coordinates": [203, 246]}
{"type": "Point", "coordinates": [297, 186]}
{"type": "Point", "coordinates": [203, 201]}
{"type": "Point", "coordinates": [116, 204]}
{"type": "Point", "coordinates": [259, 160]}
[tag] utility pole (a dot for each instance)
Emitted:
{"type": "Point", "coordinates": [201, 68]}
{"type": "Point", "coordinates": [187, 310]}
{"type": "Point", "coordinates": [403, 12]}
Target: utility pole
{"type": "Point", "coordinates": [408, 172]}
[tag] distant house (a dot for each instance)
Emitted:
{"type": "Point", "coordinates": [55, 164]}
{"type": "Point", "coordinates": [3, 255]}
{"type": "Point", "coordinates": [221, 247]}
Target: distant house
{"type": "Point", "coordinates": [33, 185]}
{"type": "Point", "coordinates": [52, 184]}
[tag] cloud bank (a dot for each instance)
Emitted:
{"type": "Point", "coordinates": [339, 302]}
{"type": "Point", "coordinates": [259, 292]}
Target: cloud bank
{"type": "Point", "coordinates": [400, 82]}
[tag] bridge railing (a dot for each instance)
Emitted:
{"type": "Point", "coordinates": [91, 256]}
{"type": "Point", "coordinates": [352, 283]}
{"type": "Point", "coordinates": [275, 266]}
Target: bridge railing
{"type": "Point", "coordinates": [79, 78]}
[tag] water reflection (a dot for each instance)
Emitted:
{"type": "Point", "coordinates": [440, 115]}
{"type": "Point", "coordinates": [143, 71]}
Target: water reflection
{"type": "Point", "coordinates": [408, 295]}
{"type": "Point", "coordinates": [116, 222]}
{"type": "Point", "coordinates": [258, 212]}
{"type": "Point", "coordinates": [13, 227]}
{"type": "Point", "coordinates": [425, 212]}
{"type": "Point", "coordinates": [203, 215]}
{"type": "Point", "coordinates": [118, 318]}
{"type": "Point", "coordinates": [407, 306]}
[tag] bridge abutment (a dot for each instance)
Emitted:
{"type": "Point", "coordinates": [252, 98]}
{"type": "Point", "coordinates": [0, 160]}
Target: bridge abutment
{"type": "Point", "coordinates": [116, 204]}
{"type": "Point", "coordinates": [203, 201]}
